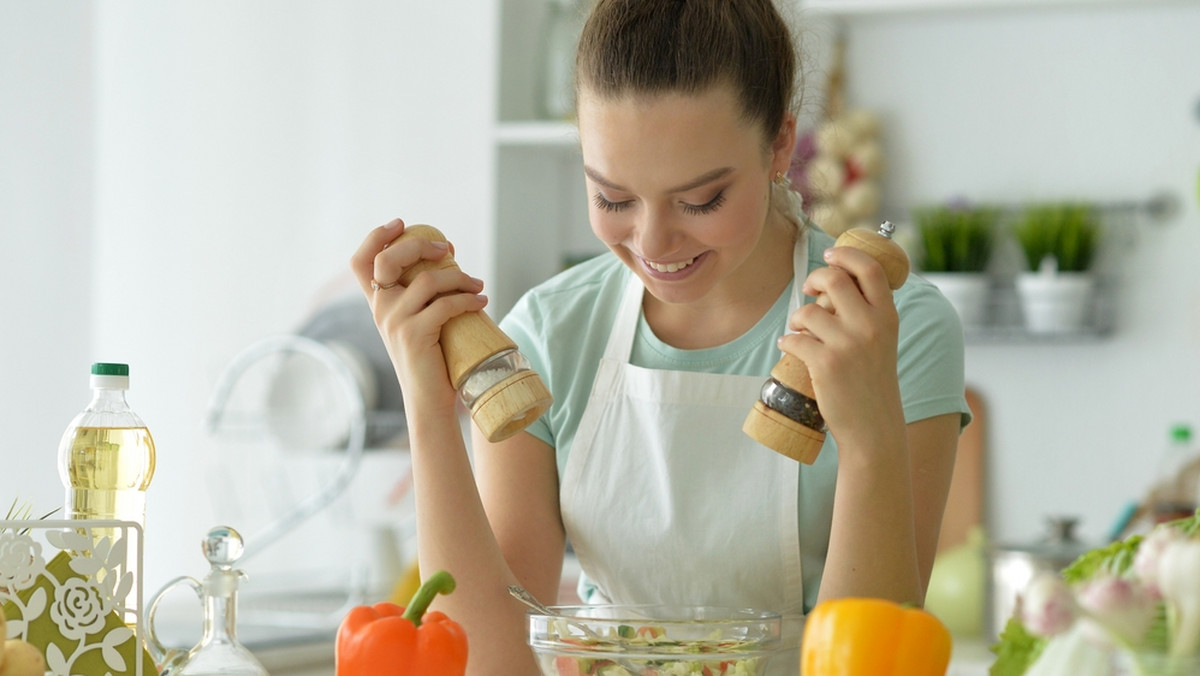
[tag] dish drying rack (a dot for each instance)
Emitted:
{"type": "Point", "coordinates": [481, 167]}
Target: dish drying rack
{"type": "Point", "coordinates": [294, 390]}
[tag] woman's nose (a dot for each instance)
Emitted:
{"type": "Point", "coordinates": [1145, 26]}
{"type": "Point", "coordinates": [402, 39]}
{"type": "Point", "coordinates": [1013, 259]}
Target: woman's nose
{"type": "Point", "coordinates": [657, 233]}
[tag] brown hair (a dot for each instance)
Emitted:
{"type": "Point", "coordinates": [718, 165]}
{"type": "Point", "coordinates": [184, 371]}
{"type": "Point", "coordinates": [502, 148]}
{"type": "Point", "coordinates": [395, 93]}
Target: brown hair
{"type": "Point", "coordinates": [639, 47]}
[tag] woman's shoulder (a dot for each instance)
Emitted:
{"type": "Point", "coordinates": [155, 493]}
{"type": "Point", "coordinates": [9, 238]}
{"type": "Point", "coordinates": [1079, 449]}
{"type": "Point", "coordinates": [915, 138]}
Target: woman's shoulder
{"type": "Point", "coordinates": [588, 281]}
{"type": "Point", "coordinates": [587, 288]}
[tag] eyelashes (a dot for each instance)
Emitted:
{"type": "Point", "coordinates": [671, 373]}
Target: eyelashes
{"type": "Point", "coordinates": [708, 207]}
{"type": "Point", "coordinates": [605, 205]}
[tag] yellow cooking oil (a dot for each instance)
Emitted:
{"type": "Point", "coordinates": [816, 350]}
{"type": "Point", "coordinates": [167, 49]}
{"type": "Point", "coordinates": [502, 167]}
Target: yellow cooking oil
{"type": "Point", "coordinates": [108, 470]}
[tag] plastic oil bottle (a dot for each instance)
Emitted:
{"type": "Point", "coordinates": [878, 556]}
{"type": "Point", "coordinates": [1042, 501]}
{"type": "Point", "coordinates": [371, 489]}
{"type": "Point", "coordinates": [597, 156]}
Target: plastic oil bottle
{"type": "Point", "coordinates": [106, 461]}
{"type": "Point", "coordinates": [1178, 477]}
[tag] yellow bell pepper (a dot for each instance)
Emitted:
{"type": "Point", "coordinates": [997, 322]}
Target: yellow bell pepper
{"type": "Point", "coordinates": [873, 637]}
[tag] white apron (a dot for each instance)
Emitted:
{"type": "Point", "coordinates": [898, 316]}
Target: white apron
{"type": "Point", "coordinates": [666, 500]}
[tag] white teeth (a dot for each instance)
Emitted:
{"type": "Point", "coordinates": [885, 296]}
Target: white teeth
{"type": "Point", "coordinates": [671, 267]}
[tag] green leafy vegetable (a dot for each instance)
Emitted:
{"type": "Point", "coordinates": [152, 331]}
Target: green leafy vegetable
{"type": "Point", "coordinates": [1016, 650]}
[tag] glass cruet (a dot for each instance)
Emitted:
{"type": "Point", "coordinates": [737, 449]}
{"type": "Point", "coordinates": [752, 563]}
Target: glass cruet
{"type": "Point", "coordinates": [219, 653]}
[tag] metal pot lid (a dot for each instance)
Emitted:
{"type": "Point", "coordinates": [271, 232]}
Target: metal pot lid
{"type": "Point", "coordinates": [1058, 543]}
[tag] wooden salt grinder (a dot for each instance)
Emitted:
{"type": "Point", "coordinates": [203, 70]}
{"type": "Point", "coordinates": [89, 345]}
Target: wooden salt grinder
{"type": "Point", "coordinates": [786, 417]}
{"type": "Point", "coordinates": [518, 397]}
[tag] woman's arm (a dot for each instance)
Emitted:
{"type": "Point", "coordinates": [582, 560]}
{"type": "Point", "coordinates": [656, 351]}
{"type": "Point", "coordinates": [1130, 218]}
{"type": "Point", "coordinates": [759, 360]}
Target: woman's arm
{"type": "Point", "coordinates": [887, 512]}
{"type": "Point", "coordinates": [453, 530]}
{"type": "Point", "coordinates": [893, 477]}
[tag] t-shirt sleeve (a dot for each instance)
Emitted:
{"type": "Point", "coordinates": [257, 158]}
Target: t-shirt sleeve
{"type": "Point", "coordinates": [522, 324]}
{"type": "Point", "coordinates": [931, 354]}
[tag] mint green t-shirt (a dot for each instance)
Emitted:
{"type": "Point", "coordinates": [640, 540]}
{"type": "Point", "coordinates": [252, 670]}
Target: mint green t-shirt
{"type": "Point", "coordinates": [563, 325]}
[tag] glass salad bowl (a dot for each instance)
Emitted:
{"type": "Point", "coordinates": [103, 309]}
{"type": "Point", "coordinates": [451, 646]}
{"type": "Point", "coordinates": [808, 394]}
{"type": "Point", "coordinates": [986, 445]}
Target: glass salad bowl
{"type": "Point", "coordinates": [655, 640]}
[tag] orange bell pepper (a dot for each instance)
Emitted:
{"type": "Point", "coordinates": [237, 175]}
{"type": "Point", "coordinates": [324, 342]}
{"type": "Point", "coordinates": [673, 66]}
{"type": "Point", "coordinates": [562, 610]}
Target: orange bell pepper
{"type": "Point", "coordinates": [873, 637]}
{"type": "Point", "coordinates": [387, 640]}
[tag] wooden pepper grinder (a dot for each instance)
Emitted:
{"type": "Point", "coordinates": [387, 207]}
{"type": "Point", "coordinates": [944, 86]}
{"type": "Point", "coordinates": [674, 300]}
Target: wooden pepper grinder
{"type": "Point", "coordinates": [492, 378]}
{"type": "Point", "coordinates": [786, 417]}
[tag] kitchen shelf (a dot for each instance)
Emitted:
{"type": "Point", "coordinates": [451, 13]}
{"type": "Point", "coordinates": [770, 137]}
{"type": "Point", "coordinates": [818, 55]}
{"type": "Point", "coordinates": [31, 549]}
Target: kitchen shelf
{"type": "Point", "coordinates": [1006, 326]}
{"type": "Point", "coordinates": [847, 8]}
{"type": "Point", "coordinates": [537, 133]}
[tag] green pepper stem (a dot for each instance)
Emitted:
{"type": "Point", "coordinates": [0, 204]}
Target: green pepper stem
{"type": "Point", "coordinates": [440, 582]}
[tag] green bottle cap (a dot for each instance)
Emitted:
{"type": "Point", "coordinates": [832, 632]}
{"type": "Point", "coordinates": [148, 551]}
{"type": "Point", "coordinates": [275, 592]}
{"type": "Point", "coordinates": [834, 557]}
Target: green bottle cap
{"type": "Point", "coordinates": [1181, 433]}
{"type": "Point", "coordinates": [109, 369]}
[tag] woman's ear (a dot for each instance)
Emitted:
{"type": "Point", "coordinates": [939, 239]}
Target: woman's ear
{"type": "Point", "coordinates": [784, 145]}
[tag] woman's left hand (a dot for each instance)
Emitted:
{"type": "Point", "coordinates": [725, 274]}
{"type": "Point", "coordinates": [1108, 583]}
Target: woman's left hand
{"type": "Point", "coordinates": [848, 340]}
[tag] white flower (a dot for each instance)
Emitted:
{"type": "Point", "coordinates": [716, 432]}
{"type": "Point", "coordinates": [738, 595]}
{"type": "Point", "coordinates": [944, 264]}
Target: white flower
{"type": "Point", "coordinates": [1047, 607]}
{"type": "Point", "coordinates": [1123, 609]}
{"type": "Point", "coordinates": [1145, 562]}
{"type": "Point", "coordinates": [1072, 653]}
{"type": "Point", "coordinates": [20, 561]}
{"type": "Point", "coordinates": [1179, 582]}
{"type": "Point", "coordinates": [78, 609]}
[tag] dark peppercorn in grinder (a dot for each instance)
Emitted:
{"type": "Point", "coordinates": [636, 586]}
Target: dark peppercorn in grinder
{"type": "Point", "coordinates": [786, 417]}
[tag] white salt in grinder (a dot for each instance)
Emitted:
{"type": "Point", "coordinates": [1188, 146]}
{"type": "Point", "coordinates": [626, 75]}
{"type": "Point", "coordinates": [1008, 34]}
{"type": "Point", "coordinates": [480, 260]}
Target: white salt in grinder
{"type": "Point", "coordinates": [786, 417]}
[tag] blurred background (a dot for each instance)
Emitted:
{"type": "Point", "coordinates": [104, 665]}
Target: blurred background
{"type": "Point", "coordinates": [180, 180]}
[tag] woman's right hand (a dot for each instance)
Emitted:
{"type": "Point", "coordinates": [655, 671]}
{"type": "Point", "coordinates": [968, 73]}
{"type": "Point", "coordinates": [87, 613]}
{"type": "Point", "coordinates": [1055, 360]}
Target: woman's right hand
{"type": "Point", "coordinates": [410, 318]}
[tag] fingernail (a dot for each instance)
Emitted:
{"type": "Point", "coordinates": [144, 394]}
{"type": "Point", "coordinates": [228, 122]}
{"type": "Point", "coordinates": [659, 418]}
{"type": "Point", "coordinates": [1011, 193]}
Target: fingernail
{"type": "Point", "coordinates": [478, 281]}
{"type": "Point", "coordinates": [828, 254]}
{"type": "Point", "coordinates": [394, 223]}
{"type": "Point", "coordinates": [438, 244]}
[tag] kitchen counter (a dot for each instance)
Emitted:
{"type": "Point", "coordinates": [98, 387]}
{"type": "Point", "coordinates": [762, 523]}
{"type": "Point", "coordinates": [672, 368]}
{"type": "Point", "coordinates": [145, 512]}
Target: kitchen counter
{"type": "Point", "coordinates": [308, 659]}
{"type": "Point", "coordinates": [970, 657]}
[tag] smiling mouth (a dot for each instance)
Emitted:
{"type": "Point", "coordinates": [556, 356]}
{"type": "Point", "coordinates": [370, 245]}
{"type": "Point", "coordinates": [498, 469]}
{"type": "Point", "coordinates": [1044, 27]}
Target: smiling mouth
{"type": "Point", "coordinates": [669, 267]}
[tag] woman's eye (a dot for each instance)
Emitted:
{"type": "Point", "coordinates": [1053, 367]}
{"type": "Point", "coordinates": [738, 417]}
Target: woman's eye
{"type": "Point", "coordinates": [603, 203]}
{"type": "Point", "coordinates": [706, 208]}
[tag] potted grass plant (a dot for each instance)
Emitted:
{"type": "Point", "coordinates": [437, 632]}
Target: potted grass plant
{"type": "Point", "coordinates": [1059, 242]}
{"type": "Point", "coordinates": [956, 247]}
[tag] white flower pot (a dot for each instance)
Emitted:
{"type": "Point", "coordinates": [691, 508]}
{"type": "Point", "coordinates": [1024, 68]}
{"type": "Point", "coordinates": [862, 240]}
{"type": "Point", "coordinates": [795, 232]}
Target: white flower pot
{"type": "Point", "coordinates": [1056, 302]}
{"type": "Point", "coordinates": [967, 292]}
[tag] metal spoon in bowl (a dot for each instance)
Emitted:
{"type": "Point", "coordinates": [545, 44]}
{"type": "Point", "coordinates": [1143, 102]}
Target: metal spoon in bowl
{"type": "Point", "coordinates": [521, 594]}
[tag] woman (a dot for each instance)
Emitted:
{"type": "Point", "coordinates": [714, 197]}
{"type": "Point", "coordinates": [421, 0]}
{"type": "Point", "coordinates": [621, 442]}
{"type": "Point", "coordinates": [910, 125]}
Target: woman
{"type": "Point", "coordinates": [656, 352]}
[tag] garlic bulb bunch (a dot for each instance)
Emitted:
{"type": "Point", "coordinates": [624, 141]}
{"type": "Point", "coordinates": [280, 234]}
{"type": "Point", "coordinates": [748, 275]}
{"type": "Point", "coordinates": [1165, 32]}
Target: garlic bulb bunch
{"type": "Point", "coordinates": [841, 180]}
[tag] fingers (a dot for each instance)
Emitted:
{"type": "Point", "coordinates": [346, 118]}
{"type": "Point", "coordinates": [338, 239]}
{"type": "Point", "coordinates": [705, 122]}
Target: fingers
{"type": "Point", "coordinates": [384, 256]}
{"type": "Point", "coordinates": [444, 293]}
{"type": "Point", "coordinates": [362, 263]}
{"type": "Point", "coordinates": [853, 303]}
{"type": "Point", "coordinates": [400, 255]}
{"type": "Point", "coordinates": [850, 273]}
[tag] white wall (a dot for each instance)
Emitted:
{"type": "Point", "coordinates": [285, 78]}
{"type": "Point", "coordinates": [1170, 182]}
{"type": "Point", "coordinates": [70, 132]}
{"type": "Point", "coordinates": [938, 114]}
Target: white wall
{"type": "Point", "coordinates": [178, 180]}
{"type": "Point", "coordinates": [47, 305]}
{"type": "Point", "coordinates": [237, 154]}
{"type": "Point", "coordinates": [1098, 102]}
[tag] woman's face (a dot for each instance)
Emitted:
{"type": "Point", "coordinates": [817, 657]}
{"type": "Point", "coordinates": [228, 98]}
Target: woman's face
{"type": "Point", "coordinates": [679, 189]}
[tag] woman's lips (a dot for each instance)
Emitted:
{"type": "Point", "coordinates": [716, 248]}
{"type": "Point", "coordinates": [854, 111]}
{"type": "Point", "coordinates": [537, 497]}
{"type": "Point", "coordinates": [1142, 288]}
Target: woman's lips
{"type": "Point", "coordinates": [673, 269]}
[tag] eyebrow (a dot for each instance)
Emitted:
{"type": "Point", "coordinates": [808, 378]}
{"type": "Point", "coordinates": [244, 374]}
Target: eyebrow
{"type": "Point", "coordinates": [707, 177]}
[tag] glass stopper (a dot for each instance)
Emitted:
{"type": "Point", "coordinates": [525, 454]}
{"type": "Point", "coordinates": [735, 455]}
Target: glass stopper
{"type": "Point", "coordinates": [223, 546]}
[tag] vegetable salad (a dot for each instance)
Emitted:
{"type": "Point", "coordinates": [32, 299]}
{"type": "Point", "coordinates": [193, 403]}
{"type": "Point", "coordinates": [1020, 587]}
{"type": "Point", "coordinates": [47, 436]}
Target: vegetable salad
{"type": "Point", "coordinates": [648, 649]}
